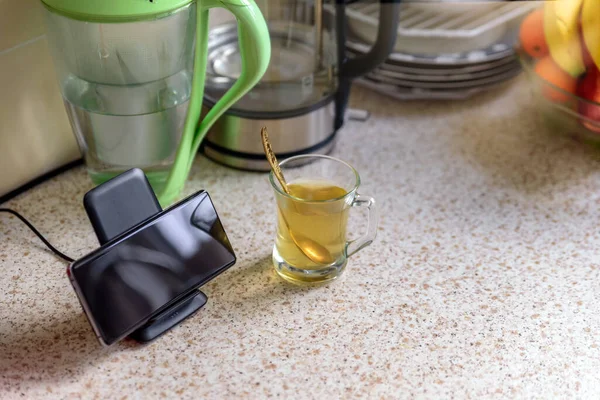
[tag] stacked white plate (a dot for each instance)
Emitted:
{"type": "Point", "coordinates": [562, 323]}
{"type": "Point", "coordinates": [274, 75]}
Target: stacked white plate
{"type": "Point", "coordinates": [443, 51]}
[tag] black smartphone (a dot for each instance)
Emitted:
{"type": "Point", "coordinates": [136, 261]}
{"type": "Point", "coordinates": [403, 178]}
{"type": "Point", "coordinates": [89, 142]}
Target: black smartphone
{"type": "Point", "coordinates": [145, 270]}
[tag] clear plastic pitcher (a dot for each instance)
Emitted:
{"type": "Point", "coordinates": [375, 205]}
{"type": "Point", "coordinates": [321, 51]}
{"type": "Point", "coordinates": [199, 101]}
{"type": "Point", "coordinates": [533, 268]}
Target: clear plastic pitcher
{"type": "Point", "coordinates": [129, 71]}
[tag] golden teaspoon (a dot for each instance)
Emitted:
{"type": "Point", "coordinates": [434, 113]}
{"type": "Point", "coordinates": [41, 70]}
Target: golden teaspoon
{"type": "Point", "coordinates": [311, 249]}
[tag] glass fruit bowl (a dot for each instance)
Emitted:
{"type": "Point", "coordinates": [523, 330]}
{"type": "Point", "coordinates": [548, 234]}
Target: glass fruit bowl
{"type": "Point", "coordinates": [563, 67]}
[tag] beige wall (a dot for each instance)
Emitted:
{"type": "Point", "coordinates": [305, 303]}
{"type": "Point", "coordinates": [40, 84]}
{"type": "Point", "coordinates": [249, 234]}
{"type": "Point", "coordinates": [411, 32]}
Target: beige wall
{"type": "Point", "coordinates": [35, 136]}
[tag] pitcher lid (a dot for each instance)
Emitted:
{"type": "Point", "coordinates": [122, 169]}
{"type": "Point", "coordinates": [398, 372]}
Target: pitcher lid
{"type": "Point", "coordinates": [114, 9]}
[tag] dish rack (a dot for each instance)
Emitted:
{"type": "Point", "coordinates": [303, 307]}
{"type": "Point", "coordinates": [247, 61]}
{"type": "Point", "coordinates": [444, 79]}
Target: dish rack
{"type": "Point", "coordinates": [454, 38]}
{"type": "Point", "coordinates": [446, 20]}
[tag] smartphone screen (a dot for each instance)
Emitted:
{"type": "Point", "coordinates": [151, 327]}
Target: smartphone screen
{"type": "Point", "coordinates": [144, 270]}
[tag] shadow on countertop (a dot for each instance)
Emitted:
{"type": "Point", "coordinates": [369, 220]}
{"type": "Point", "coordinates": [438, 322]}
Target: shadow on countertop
{"type": "Point", "coordinates": [52, 351]}
{"type": "Point", "coordinates": [500, 133]}
{"type": "Point", "coordinates": [57, 350]}
{"type": "Point", "coordinates": [258, 283]}
{"type": "Point", "coordinates": [517, 150]}
{"type": "Point", "coordinates": [389, 107]}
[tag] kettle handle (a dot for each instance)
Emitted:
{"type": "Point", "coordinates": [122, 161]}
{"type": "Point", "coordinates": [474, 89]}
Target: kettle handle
{"type": "Point", "coordinates": [387, 32]}
{"type": "Point", "coordinates": [389, 15]}
{"type": "Point", "coordinates": [255, 51]}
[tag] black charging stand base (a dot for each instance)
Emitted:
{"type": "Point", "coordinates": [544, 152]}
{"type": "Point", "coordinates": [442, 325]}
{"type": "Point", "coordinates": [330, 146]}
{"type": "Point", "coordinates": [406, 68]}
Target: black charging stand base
{"type": "Point", "coordinates": [118, 205]}
{"type": "Point", "coordinates": [169, 318]}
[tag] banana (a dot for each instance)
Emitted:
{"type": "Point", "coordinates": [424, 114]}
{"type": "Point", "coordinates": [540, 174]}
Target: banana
{"type": "Point", "coordinates": [561, 27]}
{"type": "Point", "coordinates": [590, 27]}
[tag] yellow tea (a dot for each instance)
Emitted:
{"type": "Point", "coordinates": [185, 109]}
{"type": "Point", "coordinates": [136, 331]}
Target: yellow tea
{"type": "Point", "coordinates": [320, 218]}
{"type": "Point", "coordinates": [311, 246]}
{"type": "Point", "coordinates": [315, 190]}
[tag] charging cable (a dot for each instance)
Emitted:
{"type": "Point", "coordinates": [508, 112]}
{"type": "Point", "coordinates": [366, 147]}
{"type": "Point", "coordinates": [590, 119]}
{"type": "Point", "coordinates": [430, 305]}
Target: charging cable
{"type": "Point", "coordinates": [38, 234]}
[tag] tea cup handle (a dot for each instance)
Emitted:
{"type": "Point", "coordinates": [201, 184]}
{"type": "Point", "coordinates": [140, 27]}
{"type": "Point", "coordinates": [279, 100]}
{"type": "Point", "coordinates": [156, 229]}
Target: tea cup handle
{"type": "Point", "coordinates": [353, 246]}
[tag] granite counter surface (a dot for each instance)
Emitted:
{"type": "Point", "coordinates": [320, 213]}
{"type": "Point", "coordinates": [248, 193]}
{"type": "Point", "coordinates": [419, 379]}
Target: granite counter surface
{"type": "Point", "coordinates": [483, 282]}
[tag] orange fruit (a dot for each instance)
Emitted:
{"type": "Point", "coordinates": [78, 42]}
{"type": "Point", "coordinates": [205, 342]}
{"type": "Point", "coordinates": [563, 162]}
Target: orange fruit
{"type": "Point", "coordinates": [531, 35]}
{"type": "Point", "coordinates": [549, 71]}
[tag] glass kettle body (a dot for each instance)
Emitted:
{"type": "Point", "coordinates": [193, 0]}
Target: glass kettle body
{"type": "Point", "coordinates": [303, 95]}
{"type": "Point", "coordinates": [303, 67]}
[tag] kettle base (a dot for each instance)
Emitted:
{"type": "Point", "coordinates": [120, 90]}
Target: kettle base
{"type": "Point", "coordinates": [235, 140]}
{"type": "Point", "coordinates": [258, 162]}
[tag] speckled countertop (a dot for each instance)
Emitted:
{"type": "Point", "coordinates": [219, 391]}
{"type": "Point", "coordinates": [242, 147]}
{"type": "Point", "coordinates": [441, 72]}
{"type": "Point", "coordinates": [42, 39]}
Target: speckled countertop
{"type": "Point", "coordinates": [483, 283]}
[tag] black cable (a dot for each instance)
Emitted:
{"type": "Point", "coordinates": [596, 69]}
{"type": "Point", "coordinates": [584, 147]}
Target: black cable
{"type": "Point", "coordinates": [38, 234]}
{"type": "Point", "coordinates": [38, 180]}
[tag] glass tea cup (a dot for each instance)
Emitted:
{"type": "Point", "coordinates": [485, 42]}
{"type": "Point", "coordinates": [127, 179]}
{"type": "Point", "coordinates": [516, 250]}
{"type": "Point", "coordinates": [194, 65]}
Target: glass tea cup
{"type": "Point", "coordinates": [311, 245]}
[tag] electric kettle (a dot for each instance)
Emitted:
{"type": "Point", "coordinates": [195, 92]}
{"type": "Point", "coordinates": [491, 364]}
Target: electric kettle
{"type": "Point", "coordinates": [302, 97]}
{"type": "Point", "coordinates": [132, 74]}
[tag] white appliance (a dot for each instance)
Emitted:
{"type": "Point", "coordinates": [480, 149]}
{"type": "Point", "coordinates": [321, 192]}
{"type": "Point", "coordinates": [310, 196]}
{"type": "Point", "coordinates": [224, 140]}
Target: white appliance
{"type": "Point", "coordinates": [35, 136]}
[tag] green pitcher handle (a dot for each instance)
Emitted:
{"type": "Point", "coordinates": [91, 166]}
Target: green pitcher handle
{"type": "Point", "coordinates": [255, 51]}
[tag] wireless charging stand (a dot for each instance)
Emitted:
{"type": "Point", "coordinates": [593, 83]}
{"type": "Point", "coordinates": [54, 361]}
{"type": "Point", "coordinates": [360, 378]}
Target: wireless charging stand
{"type": "Point", "coordinates": [118, 205]}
